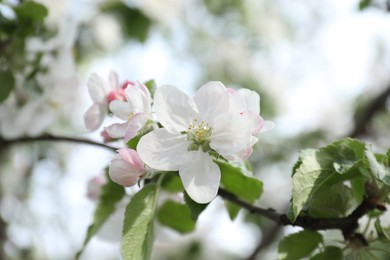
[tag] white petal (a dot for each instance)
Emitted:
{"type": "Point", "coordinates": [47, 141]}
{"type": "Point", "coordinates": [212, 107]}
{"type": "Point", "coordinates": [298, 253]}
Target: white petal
{"type": "Point", "coordinates": [231, 133]}
{"type": "Point", "coordinates": [97, 88]}
{"type": "Point", "coordinates": [252, 99]}
{"type": "Point", "coordinates": [120, 109]}
{"type": "Point", "coordinates": [237, 102]}
{"type": "Point", "coordinates": [212, 100]}
{"type": "Point", "coordinates": [200, 176]}
{"type": "Point", "coordinates": [136, 123]}
{"type": "Point", "coordinates": [268, 125]}
{"type": "Point", "coordinates": [174, 109]}
{"type": "Point", "coordinates": [113, 80]}
{"type": "Point", "coordinates": [94, 116]}
{"type": "Point", "coordinates": [162, 150]}
{"type": "Point", "coordinates": [116, 130]}
{"type": "Point", "coordinates": [147, 98]}
{"type": "Point", "coordinates": [136, 99]}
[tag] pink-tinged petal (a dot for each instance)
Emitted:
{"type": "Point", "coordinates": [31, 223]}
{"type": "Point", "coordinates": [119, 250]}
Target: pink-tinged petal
{"type": "Point", "coordinates": [94, 116]}
{"type": "Point", "coordinates": [136, 123]}
{"type": "Point", "coordinates": [231, 133]}
{"type": "Point", "coordinates": [116, 130]}
{"type": "Point", "coordinates": [174, 109]}
{"type": "Point", "coordinates": [117, 94]}
{"type": "Point", "coordinates": [106, 137]}
{"type": "Point", "coordinates": [212, 100]}
{"type": "Point", "coordinates": [162, 150]}
{"type": "Point", "coordinates": [132, 157]}
{"type": "Point", "coordinates": [252, 99]}
{"type": "Point", "coordinates": [200, 176]}
{"type": "Point", "coordinates": [123, 173]}
{"type": "Point", "coordinates": [243, 154]}
{"type": "Point", "coordinates": [127, 83]}
{"type": "Point", "coordinates": [121, 109]}
{"type": "Point", "coordinates": [268, 125]}
{"type": "Point", "coordinates": [97, 88]}
{"type": "Point", "coordinates": [94, 187]}
{"type": "Point", "coordinates": [113, 80]}
{"type": "Point", "coordinates": [256, 121]}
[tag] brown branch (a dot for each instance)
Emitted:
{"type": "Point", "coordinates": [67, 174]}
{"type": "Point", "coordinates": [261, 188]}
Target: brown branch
{"type": "Point", "coordinates": [42, 138]}
{"type": "Point", "coordinates": [347, 224]}
{"type": "Point", "coordinates": [366, 115]}
{"type": "Point", "coordinates": [271, 214]}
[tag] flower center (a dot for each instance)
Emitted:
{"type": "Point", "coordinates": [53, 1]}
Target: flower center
{"type": "Point", "coordinates": [198, 134]}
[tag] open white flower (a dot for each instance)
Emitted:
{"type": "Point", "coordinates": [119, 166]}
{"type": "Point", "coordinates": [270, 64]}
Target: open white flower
{"type": "Point", "coordinates": [135, 110]}
{"type": "Point", "coordinates": [192, 129]}
{"type": "Point", "coordinates": [102, 93]}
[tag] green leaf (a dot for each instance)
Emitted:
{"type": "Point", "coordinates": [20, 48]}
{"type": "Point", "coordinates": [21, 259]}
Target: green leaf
{"type": "Point", "coordinates": [363, 4]}
{"type": "Point", "coordinates": [176, 216]}
{"type": "Point", "coordinates": [234, 181]}
{"type": "Point", "coordinates": [134, 23]}
{"type": "Point", "coordinates": [111, 194]}
{"type": "Point", "coordinates": [172, 183]}
{"type": "Point", "coordinates": [152, 86]}
{"type": "Point", "coordinates": [319, 166]}
{"type": "Point", "coordinates": [232, 209]}
{"type": "Point", "coordinates": [137, 236]}
{"type": "Point", "coordinates": [380, 171]}
{"type": "Point", "coordinates": [7, 84]}
{"type": "Point", "coordinates": [298, 245]}
{"type": "Point", "coordinates": [195, 208]}
{"type": "Point", "coordinates": [331, 201]}
{"type": "Point", "coordinates": [330, 252]}
{"type": "Point", "coordinates": [31, 10]}
{"type": "Point", "coordinates": [382, 234]}
{"type": "Point", "coordinates": [132, 143]}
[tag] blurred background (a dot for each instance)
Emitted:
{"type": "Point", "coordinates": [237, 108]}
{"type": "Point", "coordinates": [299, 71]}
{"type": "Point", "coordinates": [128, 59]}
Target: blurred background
{"type": "Point", "coordinates": [321, 69]}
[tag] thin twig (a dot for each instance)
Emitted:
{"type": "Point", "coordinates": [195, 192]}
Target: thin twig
{"type": "Point", "coordinates": [366, 115]}
{"type": "Point", "coordinates": [9, 142]}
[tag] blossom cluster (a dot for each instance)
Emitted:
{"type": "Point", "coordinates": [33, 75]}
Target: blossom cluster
{"type": "Point", "coordinates": [182, 134]}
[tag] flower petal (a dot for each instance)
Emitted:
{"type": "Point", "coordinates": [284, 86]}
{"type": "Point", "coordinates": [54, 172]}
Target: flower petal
{"type": "Point", "coordinates": [231, 133]}
{"type": "Point", "coordinates": [116, 130]}
{"type": "Point", "coordinates": [132, 157]}
{"type": "Point", "coordinates": [174, 109]}
{"type": "Point", "coordinates": [268, 125]}
{"type": "Point", "coordinates": [136, 123]}
{"type": "Point", "coordinates": [97, 88]}
{"type": "Point", "coordinates": [162, 150]}
{"type": "Point", "coordinates": [113, 80]}
{"type": "Point", "coordinates": [94, 116]}
{"type": "Point", "coordinates": [252, 99]}
{"type": "Point", "coordinates": [236, 101]}
{"type": "Point", "coordinates": [120, 109]}
{"type": "Point", "coordinates": [212, 100]}
{"type": "Point", "coordinates": [123, 172]}
{"type": "Point", "coordinates": [200, 176]}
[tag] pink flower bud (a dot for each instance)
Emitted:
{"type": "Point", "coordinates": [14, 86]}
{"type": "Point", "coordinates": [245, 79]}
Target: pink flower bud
{"type": "Point", "coordinates": [127, 83]}
{"type": "Point", "coordinates": [94, 187]}
{"type": "Point", "coordinates": [116, 94]}
{"type": "Point", "coordinates": [126, 167]}
{"type": "Point", "coordinates": [106, 137]}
